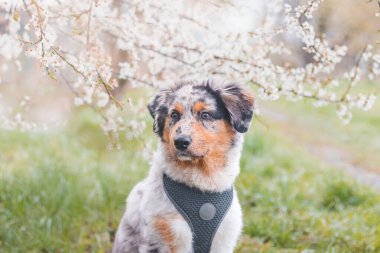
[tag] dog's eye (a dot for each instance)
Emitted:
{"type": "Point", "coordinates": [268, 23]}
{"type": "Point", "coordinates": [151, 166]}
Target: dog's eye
{"type": "Point", "coordinates": [175, 115]}
{"type": "Point", "coordinates": [206, 116]}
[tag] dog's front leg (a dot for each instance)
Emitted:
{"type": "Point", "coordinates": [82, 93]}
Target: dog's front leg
{"type": "Point", "coordinates": [174, 234]}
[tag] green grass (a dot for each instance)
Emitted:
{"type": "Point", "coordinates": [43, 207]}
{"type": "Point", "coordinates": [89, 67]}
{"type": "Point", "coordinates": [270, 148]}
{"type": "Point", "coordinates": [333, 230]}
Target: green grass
{"type": "Point", "coordinates": [63, 191]}
{"type": "Point", "coordinates": [360, 138]}
{"type": "Point", "coordinates": [292, 202]}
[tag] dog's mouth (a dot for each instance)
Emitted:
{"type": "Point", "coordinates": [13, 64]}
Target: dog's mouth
{"type": "Point", "coordinates": [189, 156]}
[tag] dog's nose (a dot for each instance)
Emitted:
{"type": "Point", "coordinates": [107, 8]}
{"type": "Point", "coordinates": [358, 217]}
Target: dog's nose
{"type": "Point", "coordinates": [182, 142]}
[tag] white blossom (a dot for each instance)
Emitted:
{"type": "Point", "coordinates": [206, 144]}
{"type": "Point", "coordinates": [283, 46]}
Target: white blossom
{"type": "Point", "coordinates": [102, 99]}
{"type": "Point", "coordinates": [167, 40]}
{"type": "Point", "coordinates": [344, 114]}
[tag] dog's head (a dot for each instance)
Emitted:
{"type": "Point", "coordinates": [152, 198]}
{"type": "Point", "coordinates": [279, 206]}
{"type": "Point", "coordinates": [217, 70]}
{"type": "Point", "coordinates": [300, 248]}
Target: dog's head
{"type": "Point", "coordinates": [198, 122]}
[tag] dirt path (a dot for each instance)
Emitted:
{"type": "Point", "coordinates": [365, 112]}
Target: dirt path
{"type": "Point", "coordinates": [326, 151]}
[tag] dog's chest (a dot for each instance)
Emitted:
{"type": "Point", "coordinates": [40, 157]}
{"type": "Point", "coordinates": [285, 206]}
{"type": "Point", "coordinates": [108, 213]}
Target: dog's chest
{"type": "Point", "coordinates": [203, 211]}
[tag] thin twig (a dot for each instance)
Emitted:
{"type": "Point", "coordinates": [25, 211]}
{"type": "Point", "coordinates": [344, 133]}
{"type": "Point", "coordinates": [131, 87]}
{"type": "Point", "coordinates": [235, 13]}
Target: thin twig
{"type": "Point", "coordinates": [350, 84]}
{"type": "Point", "coordinates": [89, 23]}
{"type": "Point", "coordinates": [301, 94]}
{"type": "Point", "coordinates": [69, 63]}
{"type": "Point", "coordinates": [71, 88]}
{"type": "Point", "coordinates": [107, 88]}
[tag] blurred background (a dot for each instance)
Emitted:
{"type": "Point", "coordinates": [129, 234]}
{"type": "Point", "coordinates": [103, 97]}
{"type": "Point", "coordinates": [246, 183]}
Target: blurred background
{"type": "Point", "coordinates": [308, 183]}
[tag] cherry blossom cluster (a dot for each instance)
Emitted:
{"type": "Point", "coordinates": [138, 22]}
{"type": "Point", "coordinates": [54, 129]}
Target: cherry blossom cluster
{"type": "Point", "coordinates": [78, 44]}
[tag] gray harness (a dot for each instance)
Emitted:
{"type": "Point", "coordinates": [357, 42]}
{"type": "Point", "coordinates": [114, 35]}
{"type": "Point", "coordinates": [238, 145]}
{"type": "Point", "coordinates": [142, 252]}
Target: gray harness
{"type": "Point", "coordinates": [203, 211]}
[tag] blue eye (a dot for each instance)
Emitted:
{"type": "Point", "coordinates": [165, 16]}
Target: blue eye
{"type": "Point", "coordinates": [206, 116]}
{"type": "Point", "coordinates": [175, 115]}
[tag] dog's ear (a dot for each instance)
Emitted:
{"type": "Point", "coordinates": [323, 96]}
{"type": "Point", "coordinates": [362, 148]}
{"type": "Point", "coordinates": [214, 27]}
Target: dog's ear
{"type": "Point", "coordinates": [239, 104]}
{"type": "Point", "coordinates": [159, 110]}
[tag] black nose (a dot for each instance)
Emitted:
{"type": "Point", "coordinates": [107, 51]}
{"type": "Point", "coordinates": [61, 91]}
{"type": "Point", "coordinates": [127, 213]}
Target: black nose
{"type": "Point", "coordinates": [182, 142]}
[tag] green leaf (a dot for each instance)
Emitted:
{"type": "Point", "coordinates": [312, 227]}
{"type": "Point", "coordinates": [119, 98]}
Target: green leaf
{"type": "Point", "coordinates": [51, 74]}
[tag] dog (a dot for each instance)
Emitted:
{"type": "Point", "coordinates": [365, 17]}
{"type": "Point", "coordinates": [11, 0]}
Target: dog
{"type": "Point", "coordinates": [201, 127]}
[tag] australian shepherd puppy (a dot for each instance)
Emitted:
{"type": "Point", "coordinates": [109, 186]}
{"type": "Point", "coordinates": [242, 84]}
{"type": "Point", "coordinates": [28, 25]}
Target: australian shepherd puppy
{"type": "Point", "coordinates": [201, 127]}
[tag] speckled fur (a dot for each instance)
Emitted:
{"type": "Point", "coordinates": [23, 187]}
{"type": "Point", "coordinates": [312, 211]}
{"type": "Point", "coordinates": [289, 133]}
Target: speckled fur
{"type": "Point", "coordinates": [147, 202]}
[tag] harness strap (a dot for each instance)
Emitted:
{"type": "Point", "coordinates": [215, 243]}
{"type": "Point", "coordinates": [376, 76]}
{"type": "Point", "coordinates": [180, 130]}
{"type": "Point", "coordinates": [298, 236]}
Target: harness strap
{"type": "Point", "coordinates": [203, 210]}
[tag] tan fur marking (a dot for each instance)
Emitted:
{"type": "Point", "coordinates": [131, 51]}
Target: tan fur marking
{"type": "Point", "coordinates": [179, 108]}
{"type": "Point", "coordinates": [163, 227]}
{"type": "Point", "coordinates": [199, 106]}
{"type": "Point", "coordinates": [249, 97]}
{"type": "Point", "coordinates": [166, 131]}
{"type": "Point", "coordinates": [221, 141]}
